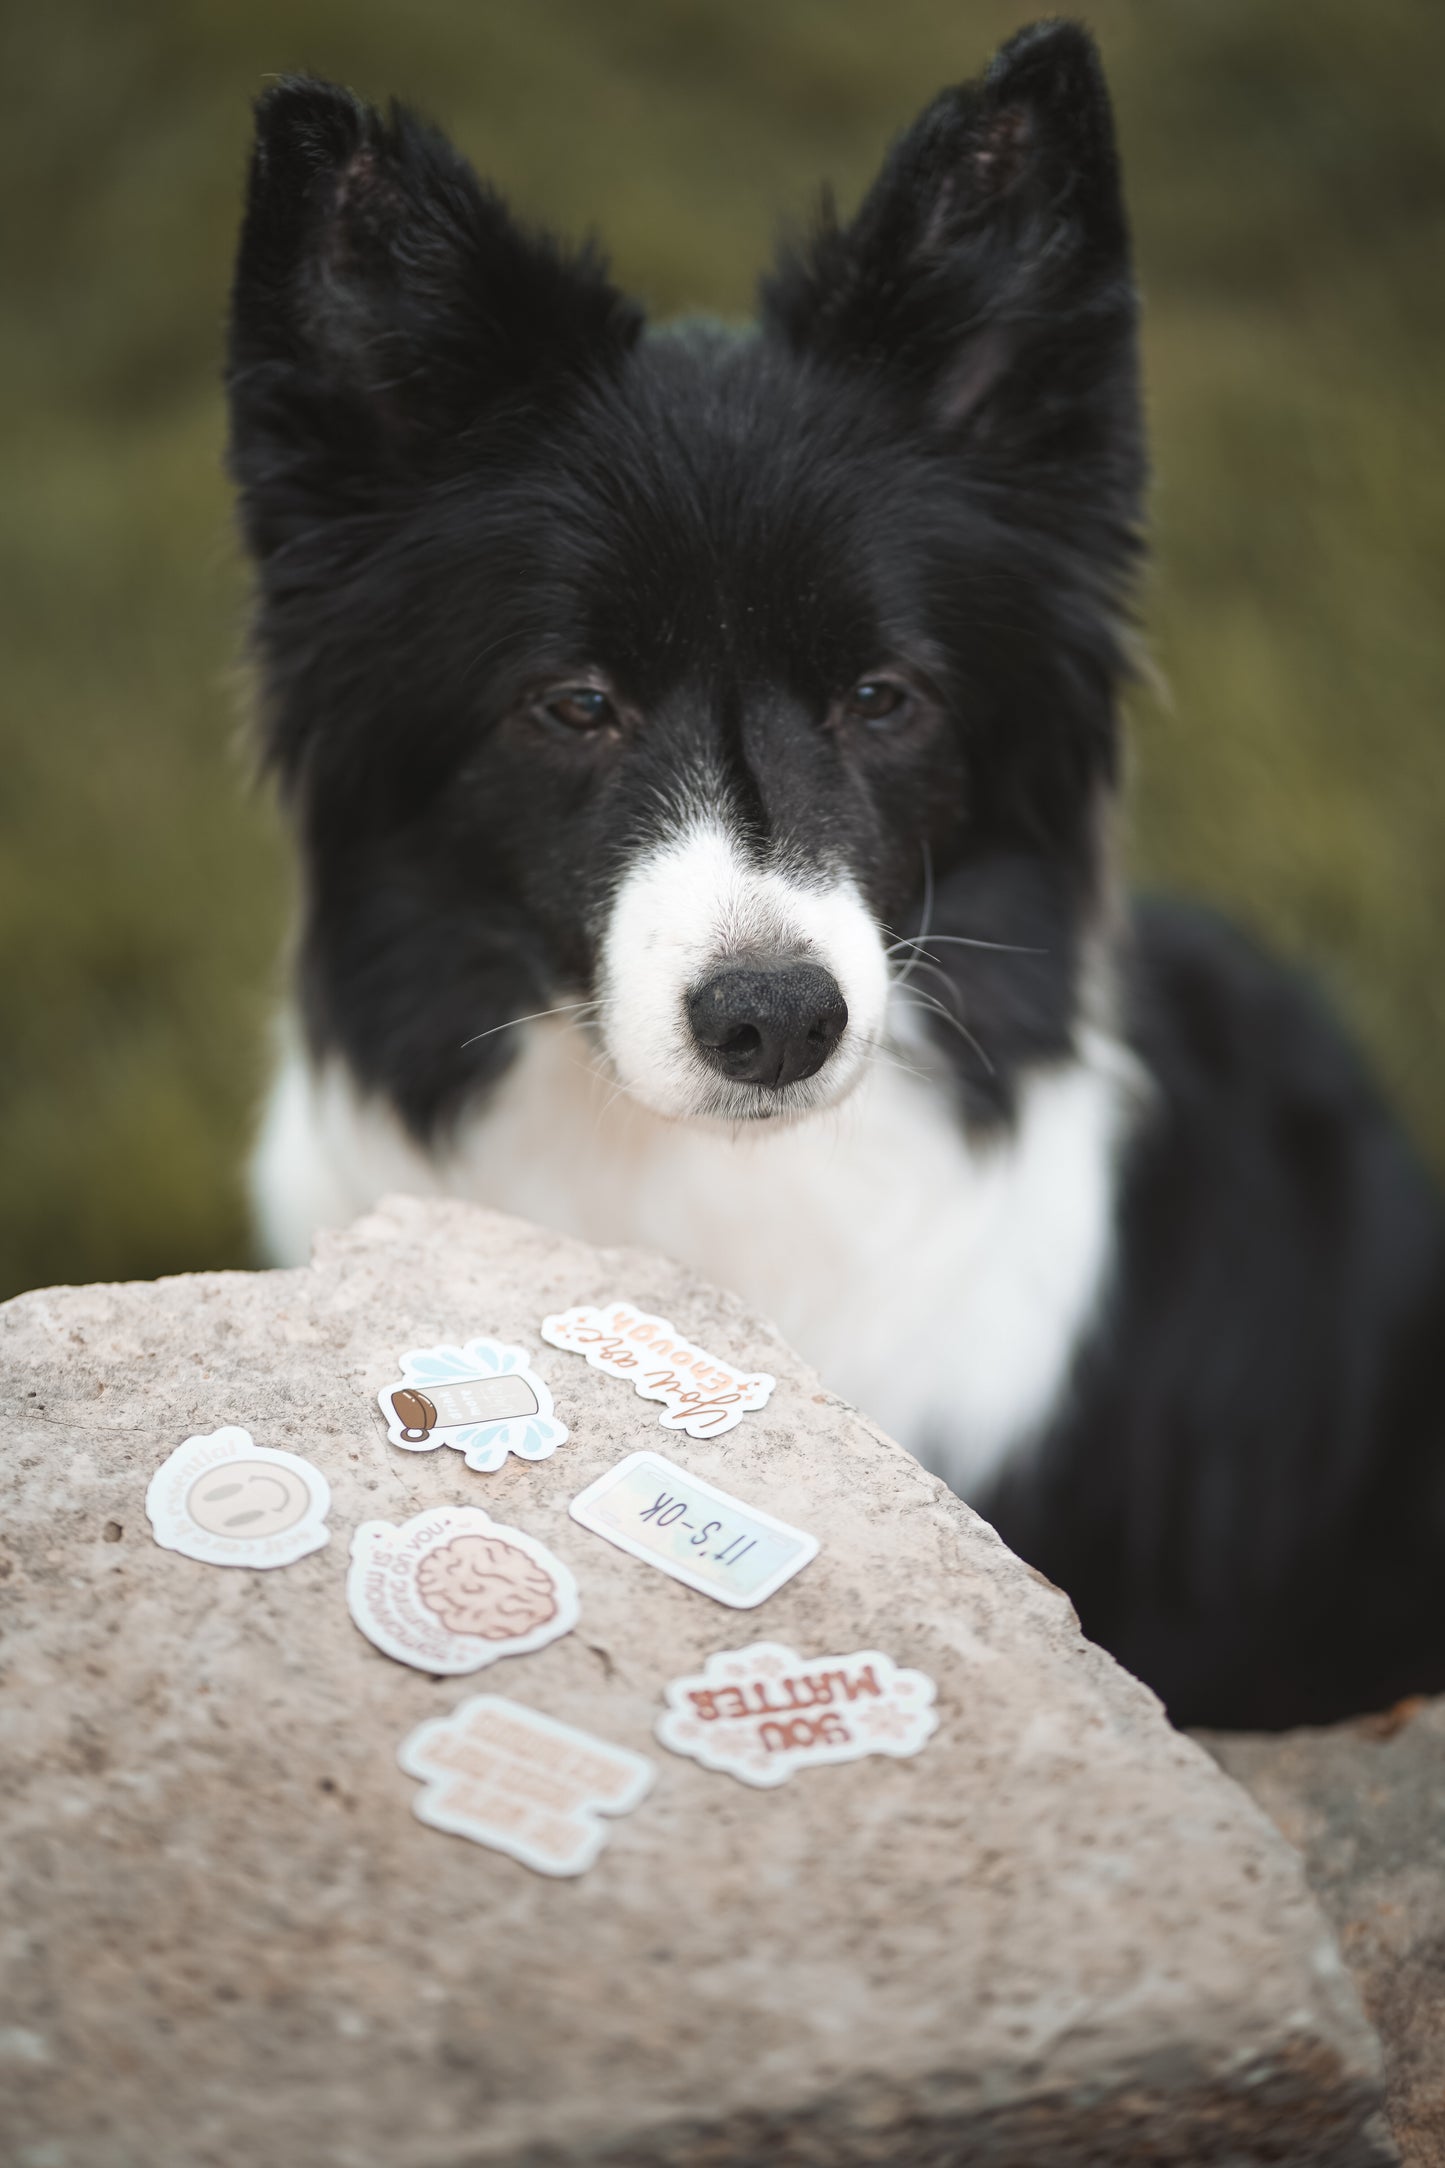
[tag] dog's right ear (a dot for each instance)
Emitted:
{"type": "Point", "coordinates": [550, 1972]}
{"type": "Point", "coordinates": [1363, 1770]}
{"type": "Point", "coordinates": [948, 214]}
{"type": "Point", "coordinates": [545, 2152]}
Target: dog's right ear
{"type": "Point", "coordinates": [985, 281]}
{"type": "Point", "coordinates": [385, 305]}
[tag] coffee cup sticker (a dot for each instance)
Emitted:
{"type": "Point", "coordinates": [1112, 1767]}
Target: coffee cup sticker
{"type": "Point", "coordinates": [701, 1393]}
{"type": "Point", "coordinates": [699, 1534]}
{"type": "Point", "coordinates": [763, 1712]}
{"type": "Point", "coordinates": [226, 1501]}
{"type": "Point", "coordinates": [452, 1590]}
{"type": "Point", "coordinates": [508, 1777]}
{"type": "Point", "coordinates": [484, 1399]}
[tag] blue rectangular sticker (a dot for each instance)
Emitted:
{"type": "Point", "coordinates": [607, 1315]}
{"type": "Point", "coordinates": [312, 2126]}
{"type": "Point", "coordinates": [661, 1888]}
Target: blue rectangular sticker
{"type": "Point", "coordinates": [695, 1532]}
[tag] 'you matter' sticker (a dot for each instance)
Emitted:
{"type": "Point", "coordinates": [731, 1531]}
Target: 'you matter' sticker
{"type": "Point", "coordinates": [762, 1712]}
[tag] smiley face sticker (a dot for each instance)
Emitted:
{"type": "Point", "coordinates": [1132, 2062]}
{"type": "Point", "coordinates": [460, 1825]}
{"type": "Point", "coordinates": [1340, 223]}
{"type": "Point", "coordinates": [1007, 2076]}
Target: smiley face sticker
{"type": "Point", "coordinates": [226, 1501]}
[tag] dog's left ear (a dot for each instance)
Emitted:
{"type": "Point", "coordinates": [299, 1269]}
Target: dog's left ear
{"type": "Point", "coordinates": [386, 308]}
{"type": "Point", "coordinates": [986, 279]}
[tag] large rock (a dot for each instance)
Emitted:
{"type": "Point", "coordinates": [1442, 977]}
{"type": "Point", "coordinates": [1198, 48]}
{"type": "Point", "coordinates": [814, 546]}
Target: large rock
{"type": "Point", "coordinates": [1058, 1935]}
{"type": "Point", "coordinates": [1365, 1805]}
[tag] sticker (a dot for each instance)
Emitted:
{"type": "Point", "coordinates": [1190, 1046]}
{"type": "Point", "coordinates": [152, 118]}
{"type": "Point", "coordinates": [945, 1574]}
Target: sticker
{"type": "Point", "coordinates": [509, 1777]}
{"type": "Point", "coordinates": [452, 1590]}
{"type": "Point", "coordinates": [764, 1711]}
{"type": "Point", "coordinates": [485, 1399]}
{"type": "Point", "coordinates": [701, 1394]}
{"type": "Point", "coordinates": [226, 1501]}
{"type": "Point", "coordinates": [701, 1536]}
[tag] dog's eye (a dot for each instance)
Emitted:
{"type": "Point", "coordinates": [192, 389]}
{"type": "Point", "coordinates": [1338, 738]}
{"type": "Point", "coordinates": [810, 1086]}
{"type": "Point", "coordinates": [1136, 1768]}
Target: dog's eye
{"type": "Point", "coordinates": [579, 707]}
{"type": "Point", "coordinates": [876, 701]}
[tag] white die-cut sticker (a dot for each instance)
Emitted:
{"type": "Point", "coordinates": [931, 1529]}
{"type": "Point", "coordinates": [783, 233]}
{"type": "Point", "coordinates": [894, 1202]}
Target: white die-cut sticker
{"type": "Point", "coordinates": [763, 1712]}
{"type": "Point", "coordinates": [226, 1501]}
{"type": "Point", "coordinates": [452, 1590]}
{"type": "Point", "coordinates": [508, 1777]}
{"type": "Point", "coordinates": [701, 1393]}
{"type": "Point", "coordinates": [699, 1534]}
{"type": "Point", "coordinates": [484, 1399]}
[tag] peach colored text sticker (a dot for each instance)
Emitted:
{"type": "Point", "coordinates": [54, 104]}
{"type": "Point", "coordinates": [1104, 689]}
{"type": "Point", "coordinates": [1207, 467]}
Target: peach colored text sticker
{"type": "Point", "coordinates": [762, 1712]}
{"type": "Point", "coordinates": [226, 1501]}
{"type": "Point", "coordinates": [508, 1777]}
{"type": "Point", "coordinates": [452, 1590]}
{"type": "Point", "coordinates": [701, 1393]}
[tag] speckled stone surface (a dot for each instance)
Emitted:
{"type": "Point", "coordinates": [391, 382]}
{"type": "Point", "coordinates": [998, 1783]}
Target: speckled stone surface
{"type": "Point", "coordinates": [1365, 1805]}
{"type": "Point", "coordinates": [1059, 1935]}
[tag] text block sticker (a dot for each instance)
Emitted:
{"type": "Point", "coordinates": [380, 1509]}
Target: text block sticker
{"type": "Point", "coordinates": [697, 1533]}
{"type": "Point", "coordinates": [522, 1783]}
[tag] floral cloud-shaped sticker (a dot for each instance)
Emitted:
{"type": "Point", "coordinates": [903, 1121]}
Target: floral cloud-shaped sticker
{"type": "Point", "coordinates": [484, 1399]}
{"type": "Point", "coordinates": [452, 1590]}
{"type": "Point", "coordinates": [761, 1712]}
{"type": "Point", "coordinates": [226, 1501]}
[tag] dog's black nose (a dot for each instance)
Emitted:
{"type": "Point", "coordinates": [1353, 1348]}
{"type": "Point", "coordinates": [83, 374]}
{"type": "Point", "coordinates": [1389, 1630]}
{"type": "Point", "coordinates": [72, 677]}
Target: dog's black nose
{"type": "Point", "coordinates": [769, 1024]}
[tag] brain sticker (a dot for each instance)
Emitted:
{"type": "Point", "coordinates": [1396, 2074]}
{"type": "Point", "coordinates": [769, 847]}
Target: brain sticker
{"type": "Point", "coordinates": [484, 1399]}
{"type": "Point", "coordinates": [486, 1586]}
{"type": "Point", "coordinates": [453, 1590]}
{"type": "Point", "coordinates": [226, 1501]}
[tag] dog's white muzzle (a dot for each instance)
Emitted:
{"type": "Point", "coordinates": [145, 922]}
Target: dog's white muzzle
{"type": "Point", "coordinates": [734, 993]}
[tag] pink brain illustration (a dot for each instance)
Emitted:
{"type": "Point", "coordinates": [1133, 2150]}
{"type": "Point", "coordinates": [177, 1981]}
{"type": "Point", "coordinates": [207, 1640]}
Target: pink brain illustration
{"type": "Point", "coordinates": [483, 1586]}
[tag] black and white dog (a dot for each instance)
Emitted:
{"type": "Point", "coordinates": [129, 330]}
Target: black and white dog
{"type": "Point", "coordinates": [703, 747]}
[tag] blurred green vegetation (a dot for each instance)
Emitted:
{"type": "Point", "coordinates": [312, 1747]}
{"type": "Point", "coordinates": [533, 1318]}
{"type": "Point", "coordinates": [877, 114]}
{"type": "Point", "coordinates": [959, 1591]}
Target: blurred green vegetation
{"type": "Point", "coordinates": [1286, 163]}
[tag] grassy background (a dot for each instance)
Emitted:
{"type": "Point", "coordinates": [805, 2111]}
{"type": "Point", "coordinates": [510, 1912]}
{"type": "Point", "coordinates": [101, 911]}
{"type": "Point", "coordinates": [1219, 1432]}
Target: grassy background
{"type": "Point", "coordinates": [1286, 160]}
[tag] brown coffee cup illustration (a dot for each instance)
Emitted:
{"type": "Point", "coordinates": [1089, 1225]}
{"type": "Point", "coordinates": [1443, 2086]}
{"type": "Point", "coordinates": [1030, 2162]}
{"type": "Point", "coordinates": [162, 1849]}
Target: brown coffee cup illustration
{"type": "Point", "coordinates": [467, 1400]}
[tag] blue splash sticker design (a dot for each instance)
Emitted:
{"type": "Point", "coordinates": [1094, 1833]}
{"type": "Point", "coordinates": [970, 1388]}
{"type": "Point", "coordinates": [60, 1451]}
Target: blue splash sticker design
{"type": "Point", "coordinates": [485, 1400]}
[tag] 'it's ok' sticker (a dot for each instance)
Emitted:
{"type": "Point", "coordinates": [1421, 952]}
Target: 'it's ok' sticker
{"type": "Point", "coordinates": [226, 1501]}
{"type": "Point", "coordinates": [762, 1712]}
{"type": "Point", "coordinates": [693, 1531]}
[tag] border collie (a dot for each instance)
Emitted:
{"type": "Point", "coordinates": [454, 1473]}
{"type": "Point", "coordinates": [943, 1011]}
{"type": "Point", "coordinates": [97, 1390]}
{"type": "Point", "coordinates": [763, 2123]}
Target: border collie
{"type": "Point", "coordinates": [703, 746]}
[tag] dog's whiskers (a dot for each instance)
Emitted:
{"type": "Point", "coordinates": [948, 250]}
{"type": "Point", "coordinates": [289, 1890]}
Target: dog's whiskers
{"type": "Point", "coordinates": [923, 939]}
{"type": "Point", "coordinates": [602, 1072]}
{"type": "Point", "coordinates": [891, 1059]}
{"type": "Point", "coordinates": [931, 1003]}
{"type": "Point", "coordinates": [563, 1008]}
{"type": "Point", "coordinates": [959, 940]}
{"type": "Point", "coordinates": [927, 905]}
{"type": "Point", "coordinates": [937, 971]}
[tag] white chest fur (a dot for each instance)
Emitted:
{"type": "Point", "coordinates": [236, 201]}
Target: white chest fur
{"type": "Point", "coordinates": [941, 1287]}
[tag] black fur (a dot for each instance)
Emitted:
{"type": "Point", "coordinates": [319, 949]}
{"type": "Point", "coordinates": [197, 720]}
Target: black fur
{"type": "Point", "coordinates": [1246, 1499]}
{"type": "Point", "coordinates": [468, 474]}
